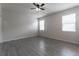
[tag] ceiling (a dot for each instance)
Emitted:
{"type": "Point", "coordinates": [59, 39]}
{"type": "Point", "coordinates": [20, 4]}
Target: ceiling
{"type": "Point", "coordinates": [49, 8]}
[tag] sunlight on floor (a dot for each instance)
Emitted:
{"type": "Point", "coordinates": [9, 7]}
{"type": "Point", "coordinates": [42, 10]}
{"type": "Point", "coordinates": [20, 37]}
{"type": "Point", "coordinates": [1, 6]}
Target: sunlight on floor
{"type": "Point", "coordinates": [67, 52]}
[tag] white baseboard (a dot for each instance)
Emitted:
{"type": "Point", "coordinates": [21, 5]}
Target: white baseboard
{"type": "Point", "coordinates": [18, 37]}
{"type": "Point", "coordinates": [74, 42]}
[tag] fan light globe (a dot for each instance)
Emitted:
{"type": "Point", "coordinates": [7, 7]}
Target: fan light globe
{"type": "Point", "coordinates": [37, 9]}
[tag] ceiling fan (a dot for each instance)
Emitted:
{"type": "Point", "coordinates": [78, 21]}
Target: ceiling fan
{"type": "Point", "coordinates": [38, 6]}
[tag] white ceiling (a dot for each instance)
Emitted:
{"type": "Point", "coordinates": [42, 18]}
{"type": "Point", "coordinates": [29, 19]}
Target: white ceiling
{"type": "Point", "coordinates": [49, 8]}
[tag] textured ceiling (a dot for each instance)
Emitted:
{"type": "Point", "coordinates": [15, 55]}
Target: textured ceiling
{"type": "Point", "coordinates": [49, 8]}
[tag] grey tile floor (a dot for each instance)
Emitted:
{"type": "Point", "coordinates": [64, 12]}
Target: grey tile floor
{"type": "Point", "coordinates": [38, 46]}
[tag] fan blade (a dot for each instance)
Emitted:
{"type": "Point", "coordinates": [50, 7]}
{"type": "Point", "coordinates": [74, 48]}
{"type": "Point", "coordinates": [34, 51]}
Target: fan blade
{"type": "Point", "coordinates": [33, 8]}
{"type": "Point", "coordinates": [42, 5]}
{"type": "Point", "coordinates": [42, 8]}
{"type": "Point", "coordinates": [35, 4]}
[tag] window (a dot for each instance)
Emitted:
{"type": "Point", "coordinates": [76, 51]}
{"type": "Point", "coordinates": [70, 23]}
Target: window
{"type": "Point", "coordinates": [68, 22]}
{"type": "Point", "coordinates": [41, 23]}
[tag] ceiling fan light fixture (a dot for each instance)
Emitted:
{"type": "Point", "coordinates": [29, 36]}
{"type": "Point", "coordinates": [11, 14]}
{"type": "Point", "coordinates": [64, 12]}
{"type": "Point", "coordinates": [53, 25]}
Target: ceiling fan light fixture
{"type": "Point", "coordinates": [38, 9]}
{"type": "Point", "coordinates": [38, 6]}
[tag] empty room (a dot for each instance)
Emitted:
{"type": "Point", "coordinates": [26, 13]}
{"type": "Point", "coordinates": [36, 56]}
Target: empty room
{"type": "Point", "coordinates": [39, 29]}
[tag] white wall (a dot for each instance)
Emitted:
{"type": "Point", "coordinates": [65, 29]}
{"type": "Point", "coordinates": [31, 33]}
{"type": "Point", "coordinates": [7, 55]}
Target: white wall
{"type": "Point", "coordinates": [53, 26]}
{"type": "Point", "coordinates": [0, 25]}
{"type": "Point", "coordinates": [17, 25]}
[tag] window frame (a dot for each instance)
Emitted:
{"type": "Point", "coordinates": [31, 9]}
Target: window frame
{"type": "Point", "coordinates": [42, 26]}
{"type": "Point", "coordinates": [65, 28]}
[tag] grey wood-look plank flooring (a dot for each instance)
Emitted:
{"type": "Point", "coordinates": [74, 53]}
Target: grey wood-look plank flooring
{"type": "Point", "coordinates": [38, 46]}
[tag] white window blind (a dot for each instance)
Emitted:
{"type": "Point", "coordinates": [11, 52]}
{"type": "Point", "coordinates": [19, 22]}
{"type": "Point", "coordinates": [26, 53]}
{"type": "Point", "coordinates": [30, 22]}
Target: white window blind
{"type": "Point", "coordinates": [41, 23]}
{"type": "Point", "coordinates": [69, 22]}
